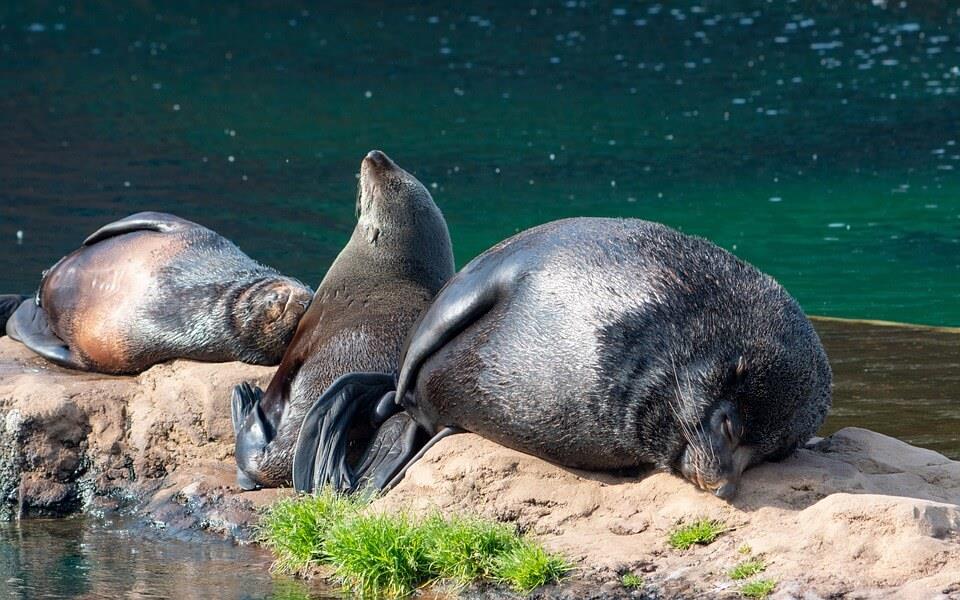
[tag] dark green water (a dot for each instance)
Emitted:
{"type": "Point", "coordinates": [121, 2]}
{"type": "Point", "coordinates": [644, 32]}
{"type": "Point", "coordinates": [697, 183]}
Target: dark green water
{"type": "Point", "coordinates": [91, 559]}
{"type": "Point", "coordinates": [818, 140]}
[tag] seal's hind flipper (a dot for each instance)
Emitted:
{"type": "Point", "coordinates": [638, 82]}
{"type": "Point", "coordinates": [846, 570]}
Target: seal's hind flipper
{"type": "Point", "coordinates": [320, 453]}
{"type": "Point", "coordinates": [8, 304]}
{"type": "Point", "coordinates": [143, 221]}
{"type": "Point", "coordinates": [29, 325]}
{"type": "Point", "coordinates": [405, 462]}
{"type": "Point", "coordinates": [395, 442]}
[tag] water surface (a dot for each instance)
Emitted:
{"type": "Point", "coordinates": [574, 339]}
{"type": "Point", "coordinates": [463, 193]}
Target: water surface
{"type": "Point", "coordinates": [90, 558]}
{"type": "Point", "coordinates": [818, 140]}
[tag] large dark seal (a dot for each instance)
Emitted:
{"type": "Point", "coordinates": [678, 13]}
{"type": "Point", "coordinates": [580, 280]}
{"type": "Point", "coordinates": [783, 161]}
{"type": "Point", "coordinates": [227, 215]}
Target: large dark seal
{"type": "Point", "coordinates": [597, 344]}
{"type": "Point", "coordinates": [153, 287]}
{"type": "Point", "coordinates": [397, 259]}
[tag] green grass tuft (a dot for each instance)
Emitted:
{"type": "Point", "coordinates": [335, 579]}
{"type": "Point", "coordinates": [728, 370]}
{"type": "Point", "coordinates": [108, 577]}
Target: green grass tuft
{"type": "Point", "coordinates": [528, 566]}
{"type": "Point", "coordinates": [392, 555]}
{"type": "Point", "coordinates": [296, 529]}
{"type": "Point", "coordinates": [465, 549]}
{"type": "Point", "coordinates": [747, 568]}
{"type": "Point", "coordinates": [703, 532]}
{"type": "Point", "coordinates": [745, 549]}
{"type": "Point", "coordinates": [758, 589]}
{"type": "Point", "coordinates": [378, 555]}
{"type": "Point", "coordinates": [632, 581]}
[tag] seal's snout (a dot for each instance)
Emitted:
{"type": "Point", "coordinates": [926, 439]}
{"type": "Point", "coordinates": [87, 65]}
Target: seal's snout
{"type": "Point", "coordinates": [378, 160]}
{"type": "Point", "coordinates": [726, 491]}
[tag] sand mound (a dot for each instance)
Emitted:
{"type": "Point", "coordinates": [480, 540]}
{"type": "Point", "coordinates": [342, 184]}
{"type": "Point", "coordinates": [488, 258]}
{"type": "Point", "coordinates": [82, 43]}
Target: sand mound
{"type": "Point", "coordinates": [857, 514]}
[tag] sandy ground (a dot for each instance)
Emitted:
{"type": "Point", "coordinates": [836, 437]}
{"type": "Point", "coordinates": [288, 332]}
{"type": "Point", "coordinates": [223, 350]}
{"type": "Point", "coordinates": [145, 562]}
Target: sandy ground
{"type": "Point", "coordinates": [857, 515]}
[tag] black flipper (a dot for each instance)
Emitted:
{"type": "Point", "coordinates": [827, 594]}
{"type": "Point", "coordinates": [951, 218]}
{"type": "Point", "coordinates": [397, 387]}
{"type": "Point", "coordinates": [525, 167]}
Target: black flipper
{"type": "Point", "coordinates": [468, 296]}
{"type": "Point", "coordinates": [391, 448]}
{"type": "Point", "coordinates": [29, 325]}
{"type": "Point", "coordinates": [142, 221]}
{"type": "Point", "coordinates": [8, 304]}
{"type": "Point", "coordinates": [320, 454]}
{"type": "Point", "coordinates": [244, 402]}
{"type": "Point", "coordinates": [408, 461]}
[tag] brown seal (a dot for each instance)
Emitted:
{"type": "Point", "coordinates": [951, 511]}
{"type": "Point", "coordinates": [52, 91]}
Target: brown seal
{"type": "Point", "coordinates": [153, 287]}
{"type": "Point", "coordinates": [397, 259]}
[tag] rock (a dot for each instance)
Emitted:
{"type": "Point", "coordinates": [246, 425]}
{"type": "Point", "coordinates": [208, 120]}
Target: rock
{"type": "Point", "coordinates": [856, 514]}
{"type": "Point", "coordinates": [160, 443]}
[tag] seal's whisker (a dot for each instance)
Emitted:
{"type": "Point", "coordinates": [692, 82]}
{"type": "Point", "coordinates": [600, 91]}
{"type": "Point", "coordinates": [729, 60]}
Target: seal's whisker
{"type": "Point", "coordinates": [701, 432]}
{"type": "Point", "coordinates": [688, 434]}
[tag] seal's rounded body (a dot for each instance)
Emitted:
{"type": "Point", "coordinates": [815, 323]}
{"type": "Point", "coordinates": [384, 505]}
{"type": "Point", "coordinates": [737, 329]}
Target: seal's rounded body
{"type": "Point", "coordinates": [396, 260]}
{"type": "Point", "coordinates": [605, 344]}
{"type": "Point", "coordinates": [153, 287]}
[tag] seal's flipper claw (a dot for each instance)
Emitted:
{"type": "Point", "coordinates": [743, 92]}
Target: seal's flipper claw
{"type": "Point", "coordinates": [320, 453]}
{"type": "Point", "coordinates": [29, 326]}
{"type": "Point", "coordinates": [142, 221]}
{"type": "Point", "coordinates": [244, 398]}
{"type": "Point", "coordinates": [406, 464]}
{"type": "Point", "coordinates": [8, 304]}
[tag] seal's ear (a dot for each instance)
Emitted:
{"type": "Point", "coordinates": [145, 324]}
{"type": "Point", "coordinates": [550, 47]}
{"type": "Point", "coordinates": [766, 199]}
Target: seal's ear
{"type": "Point", "coordinates": [740, 371]}
{"type": "Point", "coordinates": [736, 372]}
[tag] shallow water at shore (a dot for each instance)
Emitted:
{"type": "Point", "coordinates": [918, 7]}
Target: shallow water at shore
{"type": "Point", "coordinates": [899, 380]}
{"type": "Point", "coordinates": [90, 558]}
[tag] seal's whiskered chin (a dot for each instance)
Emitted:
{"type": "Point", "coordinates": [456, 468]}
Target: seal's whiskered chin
{"type": "Point", "coordinates": [716, 470]}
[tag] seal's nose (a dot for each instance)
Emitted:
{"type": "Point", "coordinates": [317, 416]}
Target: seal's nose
{"type": "Point", "coordinates": [726, 491]}
{"type": "Point", "coordinates": [379, 159]}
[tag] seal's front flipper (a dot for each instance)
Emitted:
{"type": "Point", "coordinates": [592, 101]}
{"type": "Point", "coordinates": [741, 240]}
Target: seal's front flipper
{"type": "Point", "coordinates": [320, 454]}
{"type": "Point", "coordinates": [29, 326]}
{"type": "Point", "coordinates": [253, 432]}
{"type": "Point", "coordinates": [143, 221]}
{"type": "Point", "coordinates": [8, 304]}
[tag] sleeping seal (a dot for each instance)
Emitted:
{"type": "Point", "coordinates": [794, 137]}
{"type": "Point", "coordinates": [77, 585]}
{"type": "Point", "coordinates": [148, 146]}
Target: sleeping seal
{"type": "Point", "coordinates": [397, 258]}
{"type": "Point", "coordinates": [596, 344]}
{"type": "Point", "coordinates": [153, 287]}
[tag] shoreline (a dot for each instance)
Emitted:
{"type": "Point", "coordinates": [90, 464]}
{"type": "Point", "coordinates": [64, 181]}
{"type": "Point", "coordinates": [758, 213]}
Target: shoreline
{"type": "Point", "coordinates": [159, 446]}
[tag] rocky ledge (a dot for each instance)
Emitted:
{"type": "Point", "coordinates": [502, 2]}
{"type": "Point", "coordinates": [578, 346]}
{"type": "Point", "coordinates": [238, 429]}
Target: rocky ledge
{"type": "Point", "coordinates": [857, 514]}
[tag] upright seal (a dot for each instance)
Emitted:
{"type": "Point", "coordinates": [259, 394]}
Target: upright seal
{"type": "Point", "coordinates": [153, 287]}
{"type": "Point", "coordinates": [397, 259]}
{"type": "Point", "coordinates": [597, 344]}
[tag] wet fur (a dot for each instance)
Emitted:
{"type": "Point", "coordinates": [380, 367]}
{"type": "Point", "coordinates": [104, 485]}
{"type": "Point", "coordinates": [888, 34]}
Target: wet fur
{"type": "Point", "coordinates": [126, 302]}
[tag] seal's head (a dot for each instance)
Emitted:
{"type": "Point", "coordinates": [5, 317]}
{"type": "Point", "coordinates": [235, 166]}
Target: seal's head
{"type": "Point", "coordinates": [715, 451]}
{"type": "Point", "coordinates": [756, 406]}
{"type": "Point", "coordinates": [398, 221]}
{"type": "Point", "coordinates": [265, 316]}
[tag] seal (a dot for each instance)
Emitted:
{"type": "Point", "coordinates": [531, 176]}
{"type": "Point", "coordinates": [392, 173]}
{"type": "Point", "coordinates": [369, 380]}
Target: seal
{"type": "Point", "coordinates": [152, 287]}
{"type": "Point", "coordinates": [396, 260]}
{"type": "Point", "coordinates": [598, 344]}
